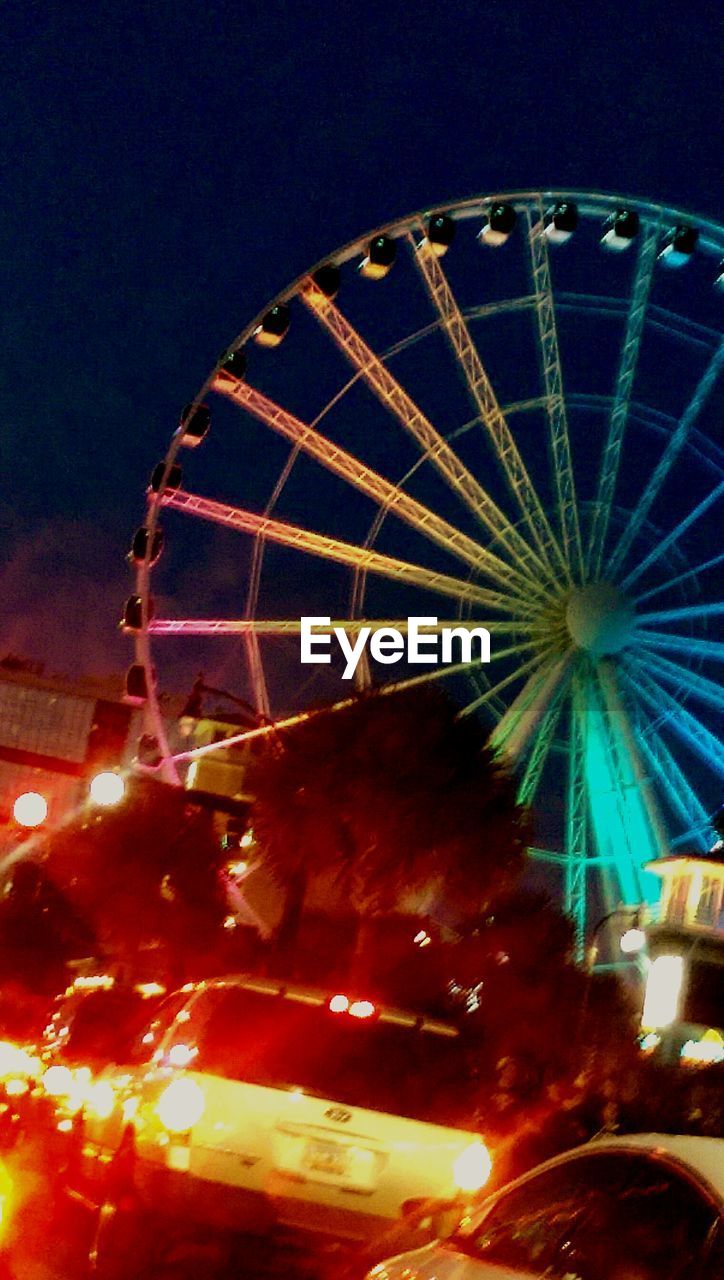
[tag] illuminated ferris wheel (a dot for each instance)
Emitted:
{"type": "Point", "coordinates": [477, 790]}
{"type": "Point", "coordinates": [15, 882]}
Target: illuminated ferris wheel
{"type": "Point", "coordinates": [504, 413]}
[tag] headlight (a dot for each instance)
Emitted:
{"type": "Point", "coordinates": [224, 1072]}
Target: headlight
{"type": "Point", "coordinates": [100, 1099]}
{"type": "Point", "coordinates": [473, 1167]}
{"type": "Point", "coordinates": [181, 1105]}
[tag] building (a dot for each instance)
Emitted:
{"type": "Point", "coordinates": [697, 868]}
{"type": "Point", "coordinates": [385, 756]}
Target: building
{"type": "Point", "coordinates": [683, 1013]}
{"type": "Point", "coordinates": [55, 734]}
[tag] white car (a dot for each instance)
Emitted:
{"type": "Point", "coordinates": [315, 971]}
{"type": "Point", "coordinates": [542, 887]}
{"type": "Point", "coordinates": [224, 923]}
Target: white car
{"type": "Point", "coordinates": [266, 1106]}
{"type": "Point", "coordinates": [638, 1207]}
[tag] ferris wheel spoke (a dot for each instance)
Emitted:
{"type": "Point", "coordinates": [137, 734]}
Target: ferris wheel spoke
{"type": "Point", "coordinates": [556, 405]}
{"type": "Point", "coordinates": [485, 400]}
{"type": "Point", "coordinates": [675, 444]}
{"type": "Point", "coordinates": [541, 746]}
{"type": "Point", "coordinates": [365, 480]}
{"type": "Point", "coordinates": [623, 834]}
{"type": "Point", "coordinates": [619, 412]}
{"type": "Point", "coordinates": [662, 766]}
{"type": "Point", "coordinates": [527, 710]}
{"type": "Point", "coordinates": [293, 626]}
{"type": "Point", "coordinates": [495, 689]}
{"type": "Point", "coordinates": [435, 447]}
{"type": "Point", "coordinates": [693, 682]}
{"type": "Point", "coordinates": [328, 548]}
{"type": "Point", "coordinates": [699, 610]}
{"type": "Point", "coordinates": [688, 727]}
{"type": "Point", "coordinates": [628, 743]}
{"type": "Point", "coordinates": [672, 781]}
{"type": "Point", "coordinates": [682, 577]}
{"type": "Point", "coordinates": [671, 538]}
{"type": "Point", "coordinates": [576, 833]}
{"type": "Point", "coordinates": [692, 646]}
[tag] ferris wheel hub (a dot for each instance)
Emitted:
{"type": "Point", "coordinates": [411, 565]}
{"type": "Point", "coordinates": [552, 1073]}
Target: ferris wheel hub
{"type": "Point", "coordinates": [600, 618]}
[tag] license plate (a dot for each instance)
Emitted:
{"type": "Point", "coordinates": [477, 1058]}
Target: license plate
{"type": "Point", "coordinates": [325, 1157]}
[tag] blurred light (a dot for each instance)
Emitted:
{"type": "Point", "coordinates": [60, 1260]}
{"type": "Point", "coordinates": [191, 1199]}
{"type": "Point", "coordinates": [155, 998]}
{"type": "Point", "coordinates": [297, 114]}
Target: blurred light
{"type": "Point", "coordinates": [181, 1105]}
{"type": "Point", "coordinates": [57, 1081]}
{"type": "Point", "coordinates": [705, 1052]}
{"type": "Point", "coordinates": [649, 1042]}
{"type": "Point", "coordinates": [64, 1126]}
{"type": "Point", "coordinates": [632, 940]}
{"type": "Point", "coordinates": [180, 1055]}
{"type": "Point", "coordinates": [130, 1107]}
{"type": "Point", "coordinates": [93, 982]}
{"type": "Point", "coordinates": [473, 1167]}
{"type": "Point", "coordinates": [237, 869]}
{"type": "Point", "coordinates": [247, 839]}
{"type": "Point", "coordinates": [230, 922]}
{"type": "Point", "coordinates": [339, 1004]}
{"type": "Point", "coordinates": [149, 989]}
{"type": "Point", "coordinates": [183, 1015]}
{"type": "Point", "coordinates": [16, 1088]}
{"type": "Point", "coordinates": [30, 809]}
{"type": "Point", "coordinates": [101, 1100]}
{"type": "Point", "coordinates": [362, 1009]}
{"type": "Point", "coordinates": [148, 1038]}
{"type": "Point", "coordinates": [107, 789]}
{"type": "Point", "coordinates": [663, 987]}
{"type": "Point", "coordinates": [420, 937]}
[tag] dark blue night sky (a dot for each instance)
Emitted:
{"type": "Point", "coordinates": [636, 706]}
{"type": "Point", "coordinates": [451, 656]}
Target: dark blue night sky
{"type": "Point", "coordinates": [167, 168]}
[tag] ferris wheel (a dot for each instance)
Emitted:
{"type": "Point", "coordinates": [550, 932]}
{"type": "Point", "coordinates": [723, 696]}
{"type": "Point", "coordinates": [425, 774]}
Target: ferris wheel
{"type": "Point", "coordinates": [504, 413]}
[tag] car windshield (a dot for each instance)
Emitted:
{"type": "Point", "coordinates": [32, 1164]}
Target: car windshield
{"type": "Point", "coordinates": [364, 1062]}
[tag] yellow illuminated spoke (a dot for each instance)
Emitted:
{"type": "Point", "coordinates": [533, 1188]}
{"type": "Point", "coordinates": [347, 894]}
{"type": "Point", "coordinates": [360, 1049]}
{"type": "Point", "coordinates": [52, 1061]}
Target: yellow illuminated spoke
{"type": "Point", "coordinates": [365, 480]}
{"type": "Point", "coordinates": [486, 402]}
{"type": "Point", "coordinates": [327, 548]}
{"type": "Point", "coordinates": [435, 447]}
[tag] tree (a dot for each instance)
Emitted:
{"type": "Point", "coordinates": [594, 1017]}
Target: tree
{"type": "Point", "coordinates": [394, 802]}
{"type": "Point", "coordinates": [145, 876]}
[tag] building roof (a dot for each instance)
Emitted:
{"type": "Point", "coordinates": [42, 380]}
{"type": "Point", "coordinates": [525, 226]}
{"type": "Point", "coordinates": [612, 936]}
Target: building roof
{"type": "Point", "coordinates": [713, 856]}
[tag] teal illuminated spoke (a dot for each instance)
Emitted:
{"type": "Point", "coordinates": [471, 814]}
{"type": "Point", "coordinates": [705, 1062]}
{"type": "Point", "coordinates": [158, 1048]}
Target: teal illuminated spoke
{"type": "Point", "coordinates": [525, 713]}
{"type": "Point", "coordinates": [611, 459]}
{"type": "Point", "coordinates": [682, 721]}
{"type": "Point", "coordinates": [574, 893]}
{"type": "Point", "coordinates": [673, 537]}
{"type": "Point", "coordinates": [675, 444]}
{"type": "Point", "coordinates": [681, 577]}
{"type": "Point", "coordinates": [692, 646]}
{"type": "Point", "coordinates": [683, 614]}
{"type": "Point", "coordinates": [541, 746]}
{"type": "Point", "coordinates": [686, 681]}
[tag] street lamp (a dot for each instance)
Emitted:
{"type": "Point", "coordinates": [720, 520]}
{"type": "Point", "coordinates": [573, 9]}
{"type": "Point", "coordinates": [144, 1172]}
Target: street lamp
{"type": "Point", "coordinates": [631, 941]}
{"type": "Point", "coordinates": [107, 789]}
{"type": "Point", "coordinates": [30, 809]}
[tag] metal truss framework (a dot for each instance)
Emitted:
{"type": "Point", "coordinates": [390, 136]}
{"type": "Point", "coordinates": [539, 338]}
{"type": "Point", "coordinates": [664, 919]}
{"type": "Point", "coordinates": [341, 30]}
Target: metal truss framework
{"type": "Point", "coordinates": [553, 384]}
{"type": "Point", "coordinates": [619, 413]}
{"type": "Point", "coordinates": [611, 719]}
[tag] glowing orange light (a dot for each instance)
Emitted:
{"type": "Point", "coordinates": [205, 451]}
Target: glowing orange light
{"type": "Point", "coordinates": [339, 1004]}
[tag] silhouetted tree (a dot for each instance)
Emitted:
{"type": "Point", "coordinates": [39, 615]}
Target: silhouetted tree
{"type": "Point", "coordinates": [392, 802]}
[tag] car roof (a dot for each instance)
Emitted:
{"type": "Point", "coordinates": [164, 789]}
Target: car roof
{"type": "Point", "coordinates": [705, 1156]}
{"type": "Point", "coordinates": [319, 996]}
